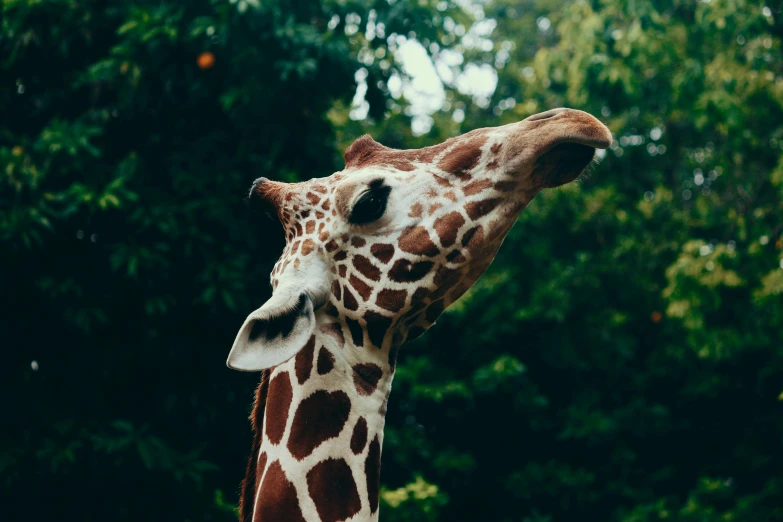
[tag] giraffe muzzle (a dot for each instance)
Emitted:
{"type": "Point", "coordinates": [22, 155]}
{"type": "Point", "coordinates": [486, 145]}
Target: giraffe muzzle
{"type": "Point", "coordinates": [566, 140]}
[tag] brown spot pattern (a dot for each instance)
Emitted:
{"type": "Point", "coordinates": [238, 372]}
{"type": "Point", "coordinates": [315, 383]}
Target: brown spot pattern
{"type": "Point", "coordinates": [359, 436]}
{"type": "Point", "coordinates": [279, 494]}
{"type": "Point", "coordinates": [476, 187]}
{"type": "Point", "coordinates": [403, 271]}
{"type": "Point", "coordinates": [448, 226]}
{"type": "Point", "coordinates": [463, 157]}
{"type": "Point", "coordinates": [349, 300]}
{"type": "Point", "coordinates": [260, 467]}
{"type": "Point", "coordinates": [304, 361]}
{"type": "Point", "coordinates": [377, 325]}
{"type": "Point", "coordinates": [328, 411]}
{"type": "Point", "coordinates": [477, 209]}
{"type": "Point", "coordinates": [372, 471]}
{"type": "Point", "coordinates": [357, 334]}
{"type": "Point", "coordinates": [416, 240]}
{"type": "Point", "coordinates": [333, 490]}
{"type": "Point", "coordinates": [473, 238]}
{"type": "Point", "coordinates": [383, 252]}
{"type": "Point", "coordinates": [325, 361]}
{"type": "Point", "coordinates": [307, 247]}
{"type": "Point", "coordinates": [358, 242]}
{"type": "Point", "coordinates": [366, 377]}
{"type": "Point", "coordinates": [366, 268]}
{"type": "Point", "coordinates": [416, 210]}
{"type": "Point", "coordinates": [391, 300]}
{"type": "Point", "coordinates": [278, 404]}
{"type": "Point", "coordinates": [361, 287]}
{"type": "Point", "coordinates": [455, 256]}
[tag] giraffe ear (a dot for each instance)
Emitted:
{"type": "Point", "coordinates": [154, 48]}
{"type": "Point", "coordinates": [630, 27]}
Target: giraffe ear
{"type": "Point", "coordinates": [273, 334]}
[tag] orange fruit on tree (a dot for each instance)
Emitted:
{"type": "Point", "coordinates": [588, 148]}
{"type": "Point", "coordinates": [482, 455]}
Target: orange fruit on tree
{"type": "Point", "coordinates": [206, 60]}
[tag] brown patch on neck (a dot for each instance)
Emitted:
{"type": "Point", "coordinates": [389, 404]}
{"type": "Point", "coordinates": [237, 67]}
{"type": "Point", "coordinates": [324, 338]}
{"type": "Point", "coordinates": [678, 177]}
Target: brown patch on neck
{"type": "Point", "coordinates": [377, 326]}
{"type": "Point", "coordinates": [366, 377]}
{"type": "Point", "coordinates": [333, 489]}
{"type": "Point", "coordinates": [359, 436]}
{"type": "Point", "coordinates": [278, 499]}
{"type": "Point", "coordinates": [372, 472]}
{"type": "Point", "coordinates": [328, 411]}
{"type": "Point", "coordinates": [304, 361]}
{"type": "Point", "coordinates": [277, 414]}
{"type": "Point", "coordinates": [325, 361]}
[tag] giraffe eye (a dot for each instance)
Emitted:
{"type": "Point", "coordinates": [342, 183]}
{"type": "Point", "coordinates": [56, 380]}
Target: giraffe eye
{"type": "Point", "coordinates": [370, 206]}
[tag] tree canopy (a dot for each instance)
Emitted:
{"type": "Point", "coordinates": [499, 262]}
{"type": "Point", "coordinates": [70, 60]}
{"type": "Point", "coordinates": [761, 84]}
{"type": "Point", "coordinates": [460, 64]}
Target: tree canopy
{"type": "Point", "coordinates": [619, 361]}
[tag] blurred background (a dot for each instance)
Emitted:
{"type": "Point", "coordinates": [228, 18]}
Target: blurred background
{"type": "Point", "coordinates": [620, 361]}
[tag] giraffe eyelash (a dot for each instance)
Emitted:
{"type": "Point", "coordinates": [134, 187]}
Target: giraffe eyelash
{"type": "Point", "coordinates": [371, 204]}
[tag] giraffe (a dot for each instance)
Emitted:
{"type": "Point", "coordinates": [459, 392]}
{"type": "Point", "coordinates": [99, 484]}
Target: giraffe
{"type": "Point", "coordinates": [374, 254]}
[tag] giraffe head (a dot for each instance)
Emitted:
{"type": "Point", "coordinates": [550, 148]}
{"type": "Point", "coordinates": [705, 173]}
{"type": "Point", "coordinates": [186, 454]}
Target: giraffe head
{"type": "Point", "coordinates": [382, 247]}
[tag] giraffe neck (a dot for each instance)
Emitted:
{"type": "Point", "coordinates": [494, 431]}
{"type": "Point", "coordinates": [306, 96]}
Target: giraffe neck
{"type": "Point", "coordinates": [320, 434]}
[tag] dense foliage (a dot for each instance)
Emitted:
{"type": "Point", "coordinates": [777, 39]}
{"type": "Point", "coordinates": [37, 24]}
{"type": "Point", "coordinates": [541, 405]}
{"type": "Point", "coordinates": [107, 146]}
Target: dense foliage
{"type": "Point", "coordinates": [620, 361]}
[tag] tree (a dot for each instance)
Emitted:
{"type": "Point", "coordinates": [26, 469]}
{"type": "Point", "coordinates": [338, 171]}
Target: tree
{"type": "Point", "coordinates": [129, 136]}
{"type": "Point", "coordinates": [619, 361]}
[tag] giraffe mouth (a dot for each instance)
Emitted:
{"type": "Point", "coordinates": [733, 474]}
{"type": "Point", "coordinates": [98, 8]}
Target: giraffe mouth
{"type": "Point", "coordinates": [562, 164]}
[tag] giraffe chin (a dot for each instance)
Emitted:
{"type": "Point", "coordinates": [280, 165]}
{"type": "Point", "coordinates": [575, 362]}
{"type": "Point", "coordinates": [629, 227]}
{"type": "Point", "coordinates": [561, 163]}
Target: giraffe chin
{"type": "Point", "coordinates": [562, 164]}
{"type": "Point", "coordinates": [274, 333]}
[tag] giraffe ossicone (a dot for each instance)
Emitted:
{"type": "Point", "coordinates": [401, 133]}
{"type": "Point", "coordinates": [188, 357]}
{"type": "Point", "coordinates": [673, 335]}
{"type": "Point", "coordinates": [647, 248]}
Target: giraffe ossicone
{"type": "Point", "coordinates": [374, 254]}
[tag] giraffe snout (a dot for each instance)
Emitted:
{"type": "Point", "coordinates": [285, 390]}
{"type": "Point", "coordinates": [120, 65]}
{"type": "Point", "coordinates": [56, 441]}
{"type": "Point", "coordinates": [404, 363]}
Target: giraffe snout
{"type": "Point", "coordinates": [556, 146]}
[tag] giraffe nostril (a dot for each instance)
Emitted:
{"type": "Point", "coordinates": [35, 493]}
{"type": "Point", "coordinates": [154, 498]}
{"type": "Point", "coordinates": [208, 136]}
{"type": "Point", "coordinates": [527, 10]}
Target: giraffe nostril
{"type": "Point", "coordinates": [545, 115]}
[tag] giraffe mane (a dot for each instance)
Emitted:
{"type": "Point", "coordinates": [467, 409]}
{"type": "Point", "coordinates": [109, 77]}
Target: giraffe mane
{"type": "Point", "coordinates": [249, 483]}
